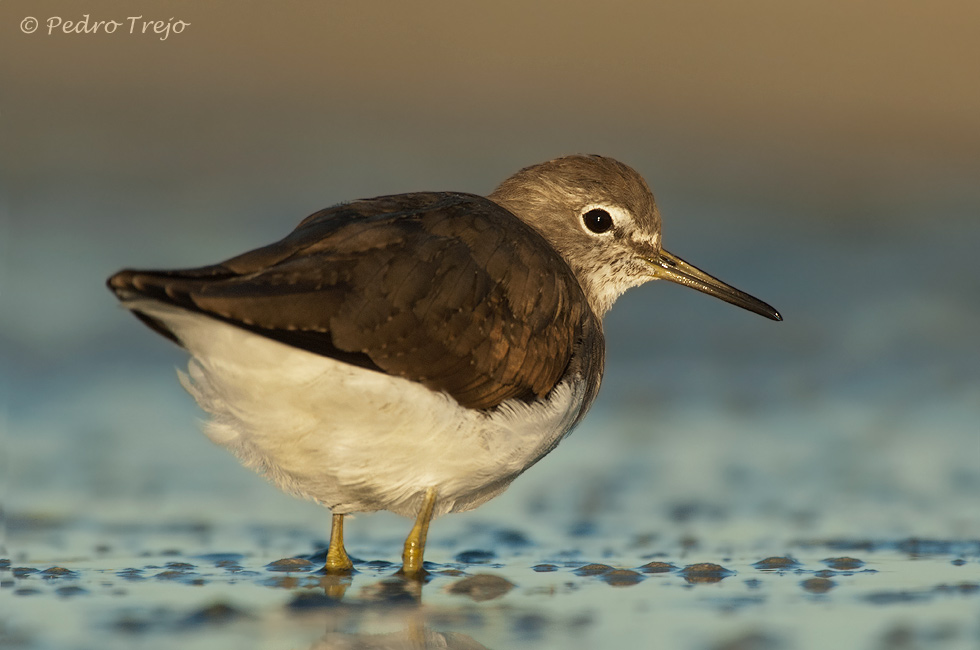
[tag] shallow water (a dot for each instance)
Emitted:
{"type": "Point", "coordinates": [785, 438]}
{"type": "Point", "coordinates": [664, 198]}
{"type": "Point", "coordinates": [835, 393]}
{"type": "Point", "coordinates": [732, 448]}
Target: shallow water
{"type": "Point", "coordinates": [173, 586]}
{"type": "Point", "coordinates": [686, 538]}
{"type": "Point", "coordinates": [844, 441]}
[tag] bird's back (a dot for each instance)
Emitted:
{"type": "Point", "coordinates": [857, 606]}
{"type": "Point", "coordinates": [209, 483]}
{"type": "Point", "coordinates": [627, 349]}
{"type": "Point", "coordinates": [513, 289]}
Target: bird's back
{"type": "Point", "coordinates": [446, 289]}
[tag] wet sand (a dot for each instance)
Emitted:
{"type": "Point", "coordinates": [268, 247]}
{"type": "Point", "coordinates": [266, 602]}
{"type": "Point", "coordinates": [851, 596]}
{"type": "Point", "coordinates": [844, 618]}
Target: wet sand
{"type": "Point", "coordinates": [592, 577]}
{"type": "Point", "coordinates": [904, 593]}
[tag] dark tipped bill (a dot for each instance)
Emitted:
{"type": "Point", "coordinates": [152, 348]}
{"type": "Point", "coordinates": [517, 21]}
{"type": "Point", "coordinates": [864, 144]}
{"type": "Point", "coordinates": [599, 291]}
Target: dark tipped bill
{"type": "Point", "coordinates": [670, 267]}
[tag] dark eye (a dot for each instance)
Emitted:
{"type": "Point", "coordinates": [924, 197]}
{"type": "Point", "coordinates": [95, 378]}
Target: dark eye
{"type": "Point", "coordinates": [597, 220]}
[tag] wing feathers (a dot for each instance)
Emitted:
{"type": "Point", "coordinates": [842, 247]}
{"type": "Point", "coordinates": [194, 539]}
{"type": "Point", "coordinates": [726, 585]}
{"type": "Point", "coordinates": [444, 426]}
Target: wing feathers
{"type": "Point", "coordinates": [446, 289]}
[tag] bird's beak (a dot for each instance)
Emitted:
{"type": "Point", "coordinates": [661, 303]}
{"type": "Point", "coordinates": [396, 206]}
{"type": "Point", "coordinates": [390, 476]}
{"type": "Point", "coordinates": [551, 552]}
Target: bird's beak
{"type": "Point", "coordinates": [670, 267]}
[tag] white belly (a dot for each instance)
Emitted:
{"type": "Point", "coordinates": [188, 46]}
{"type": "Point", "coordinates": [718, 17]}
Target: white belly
{"type": "Point", "coordinates": [353, 439]}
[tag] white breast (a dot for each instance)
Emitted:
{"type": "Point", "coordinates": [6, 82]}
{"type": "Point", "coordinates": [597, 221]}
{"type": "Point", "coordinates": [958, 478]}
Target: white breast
{"type": "Point", "coordinates": [356, 440]}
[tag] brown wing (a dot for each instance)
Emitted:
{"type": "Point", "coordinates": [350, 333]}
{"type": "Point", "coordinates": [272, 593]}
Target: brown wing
{"type": "Point", "coordinates": [446, 289]}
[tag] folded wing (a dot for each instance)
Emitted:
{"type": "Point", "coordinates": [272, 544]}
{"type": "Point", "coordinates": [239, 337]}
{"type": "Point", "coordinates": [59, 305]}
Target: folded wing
{"type": "Point", "coordinates": [446, 289]}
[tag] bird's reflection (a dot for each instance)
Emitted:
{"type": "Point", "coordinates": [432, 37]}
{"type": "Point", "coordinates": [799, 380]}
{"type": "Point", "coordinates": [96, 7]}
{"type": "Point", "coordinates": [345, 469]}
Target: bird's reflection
{"type": "Point", "coordinates": [414, 637]}
{"type": "Point", "coordinates": [391, 608]}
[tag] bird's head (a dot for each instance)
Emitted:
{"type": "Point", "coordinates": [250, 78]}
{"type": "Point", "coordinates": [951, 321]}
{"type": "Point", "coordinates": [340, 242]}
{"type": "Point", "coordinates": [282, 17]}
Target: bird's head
{"type": "Point", "coordinates": [601, 216]}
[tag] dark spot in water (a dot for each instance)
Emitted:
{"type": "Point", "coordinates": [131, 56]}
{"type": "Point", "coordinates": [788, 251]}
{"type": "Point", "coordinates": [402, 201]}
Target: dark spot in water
{"type": "Point", "coordinates": [753, 583]}
{"type": "Point", "coordinates": [824, 573]}
{"type": "Point", "coordinates": [958, 562]}
{"type": "Point", "coordinates": [621, 577]}
{"type": "Point", "coordinates": [895, 597]}
{"type": "Point", "coordinates": [511, 537]}
{"type": "Point", "coordinates": [215, 613]}
{"type": "Point", "coordinates": [7, 583]}
{"type": "Point", "coordinates": [196, 527]}
{"type": "Point", "coordinates": [221, 559]}
{"type": "Point", "coordinates": [657, 567]}
{"type": "Point", "coordinates": [56, 572]}
{"type": "Point", "coordinates": [750, 641]}
{"type": "Point", "coordinates": [481, 587]}
{"type": "Point", "coordinates": [689, 542]}
{"type": "Point", "coordinates": [23, 571]}
{"type": "Point", "coordinates": [131, 624]}
{"type": "Point", "coordinates": [538, 504]}
{"type": "Point", "coordinates": [899, 636]}
{"type": "Point", "coordinates": [311, 600]}
{"type": "Point", "coordinates": [644, 539]}
{"type": "Point", "coordinates": [26, 591]}
{"type": "Point", "coordinates": [571, 556]}
{"type": "Point", "coordinates": [733, 604]}
{"type": "Point", "coordinates": [915, 546]}
{"type": "Point", "coordinates": [131, 574]}
{"type": "Point", "coordinates": [32, 521]}
{"type": "Point", "coordinates": [290, 564]}
{"type": "Point", "coordinates": [776, 563]}
{"type": "Point", "coordinates": [582, 529]}
{"type": "Point", "coordinates": [4, 564]}
{"type": "Point", "coordinates": [180, 566]}
{"type": "Point", "coordinates": [841, 544]}
{"type": "Point", "coordinates": [544, 568]}
{"type": "Point", "coordinates": [593, 570]}
{"type": "Point", "coordinates": [843, 563]}
{"type": "Point", "coordinates": [705, 573]}
{"type": "Point", "coordinates": [102, 548]}
{"type": "Point", "coordinates": [530, 627]}
{"type": "Point", "coordinates": [475, 557]}
{"type": "Point", "coordinates": [71, 590]}
{"type": "Point", "coordinates": [966, 588]}
{"type": "Point", "coordinates": [171, 575]}
{"type": "Point", "coordinates": [684, 512]}
{"type": "Point", "coordinates": [818, 585]}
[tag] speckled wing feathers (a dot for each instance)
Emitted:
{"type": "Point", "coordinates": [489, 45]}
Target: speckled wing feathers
{"type": "Point", "coordinates": [446, 289]}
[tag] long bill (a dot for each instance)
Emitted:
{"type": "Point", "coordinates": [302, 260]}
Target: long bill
{"type": "Point", "coordinates": [670, 267]}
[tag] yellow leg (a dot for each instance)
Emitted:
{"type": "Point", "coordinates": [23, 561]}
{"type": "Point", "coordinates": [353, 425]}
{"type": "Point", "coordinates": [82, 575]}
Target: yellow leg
{"type": "Point", "coordinates": [415, 543]}
{"type": "Point", "coordinates": [337, 560]}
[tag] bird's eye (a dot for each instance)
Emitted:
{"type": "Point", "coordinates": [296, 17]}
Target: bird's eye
{"type": "Point", "coordinates": [597, 220]}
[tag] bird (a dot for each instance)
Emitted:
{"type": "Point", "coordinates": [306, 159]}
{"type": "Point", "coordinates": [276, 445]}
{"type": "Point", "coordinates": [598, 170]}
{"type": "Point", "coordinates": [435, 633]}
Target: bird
{"type": "Point", "coordinates": [416, 352]}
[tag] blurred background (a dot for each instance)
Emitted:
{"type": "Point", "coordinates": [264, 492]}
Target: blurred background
{"type": "Point", "coordinates": [824, 156]}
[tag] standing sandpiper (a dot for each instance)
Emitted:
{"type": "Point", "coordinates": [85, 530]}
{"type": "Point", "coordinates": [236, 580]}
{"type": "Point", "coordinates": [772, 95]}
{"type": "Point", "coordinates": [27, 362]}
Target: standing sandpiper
{"type": "Point", "coordinates": [416, 352]}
